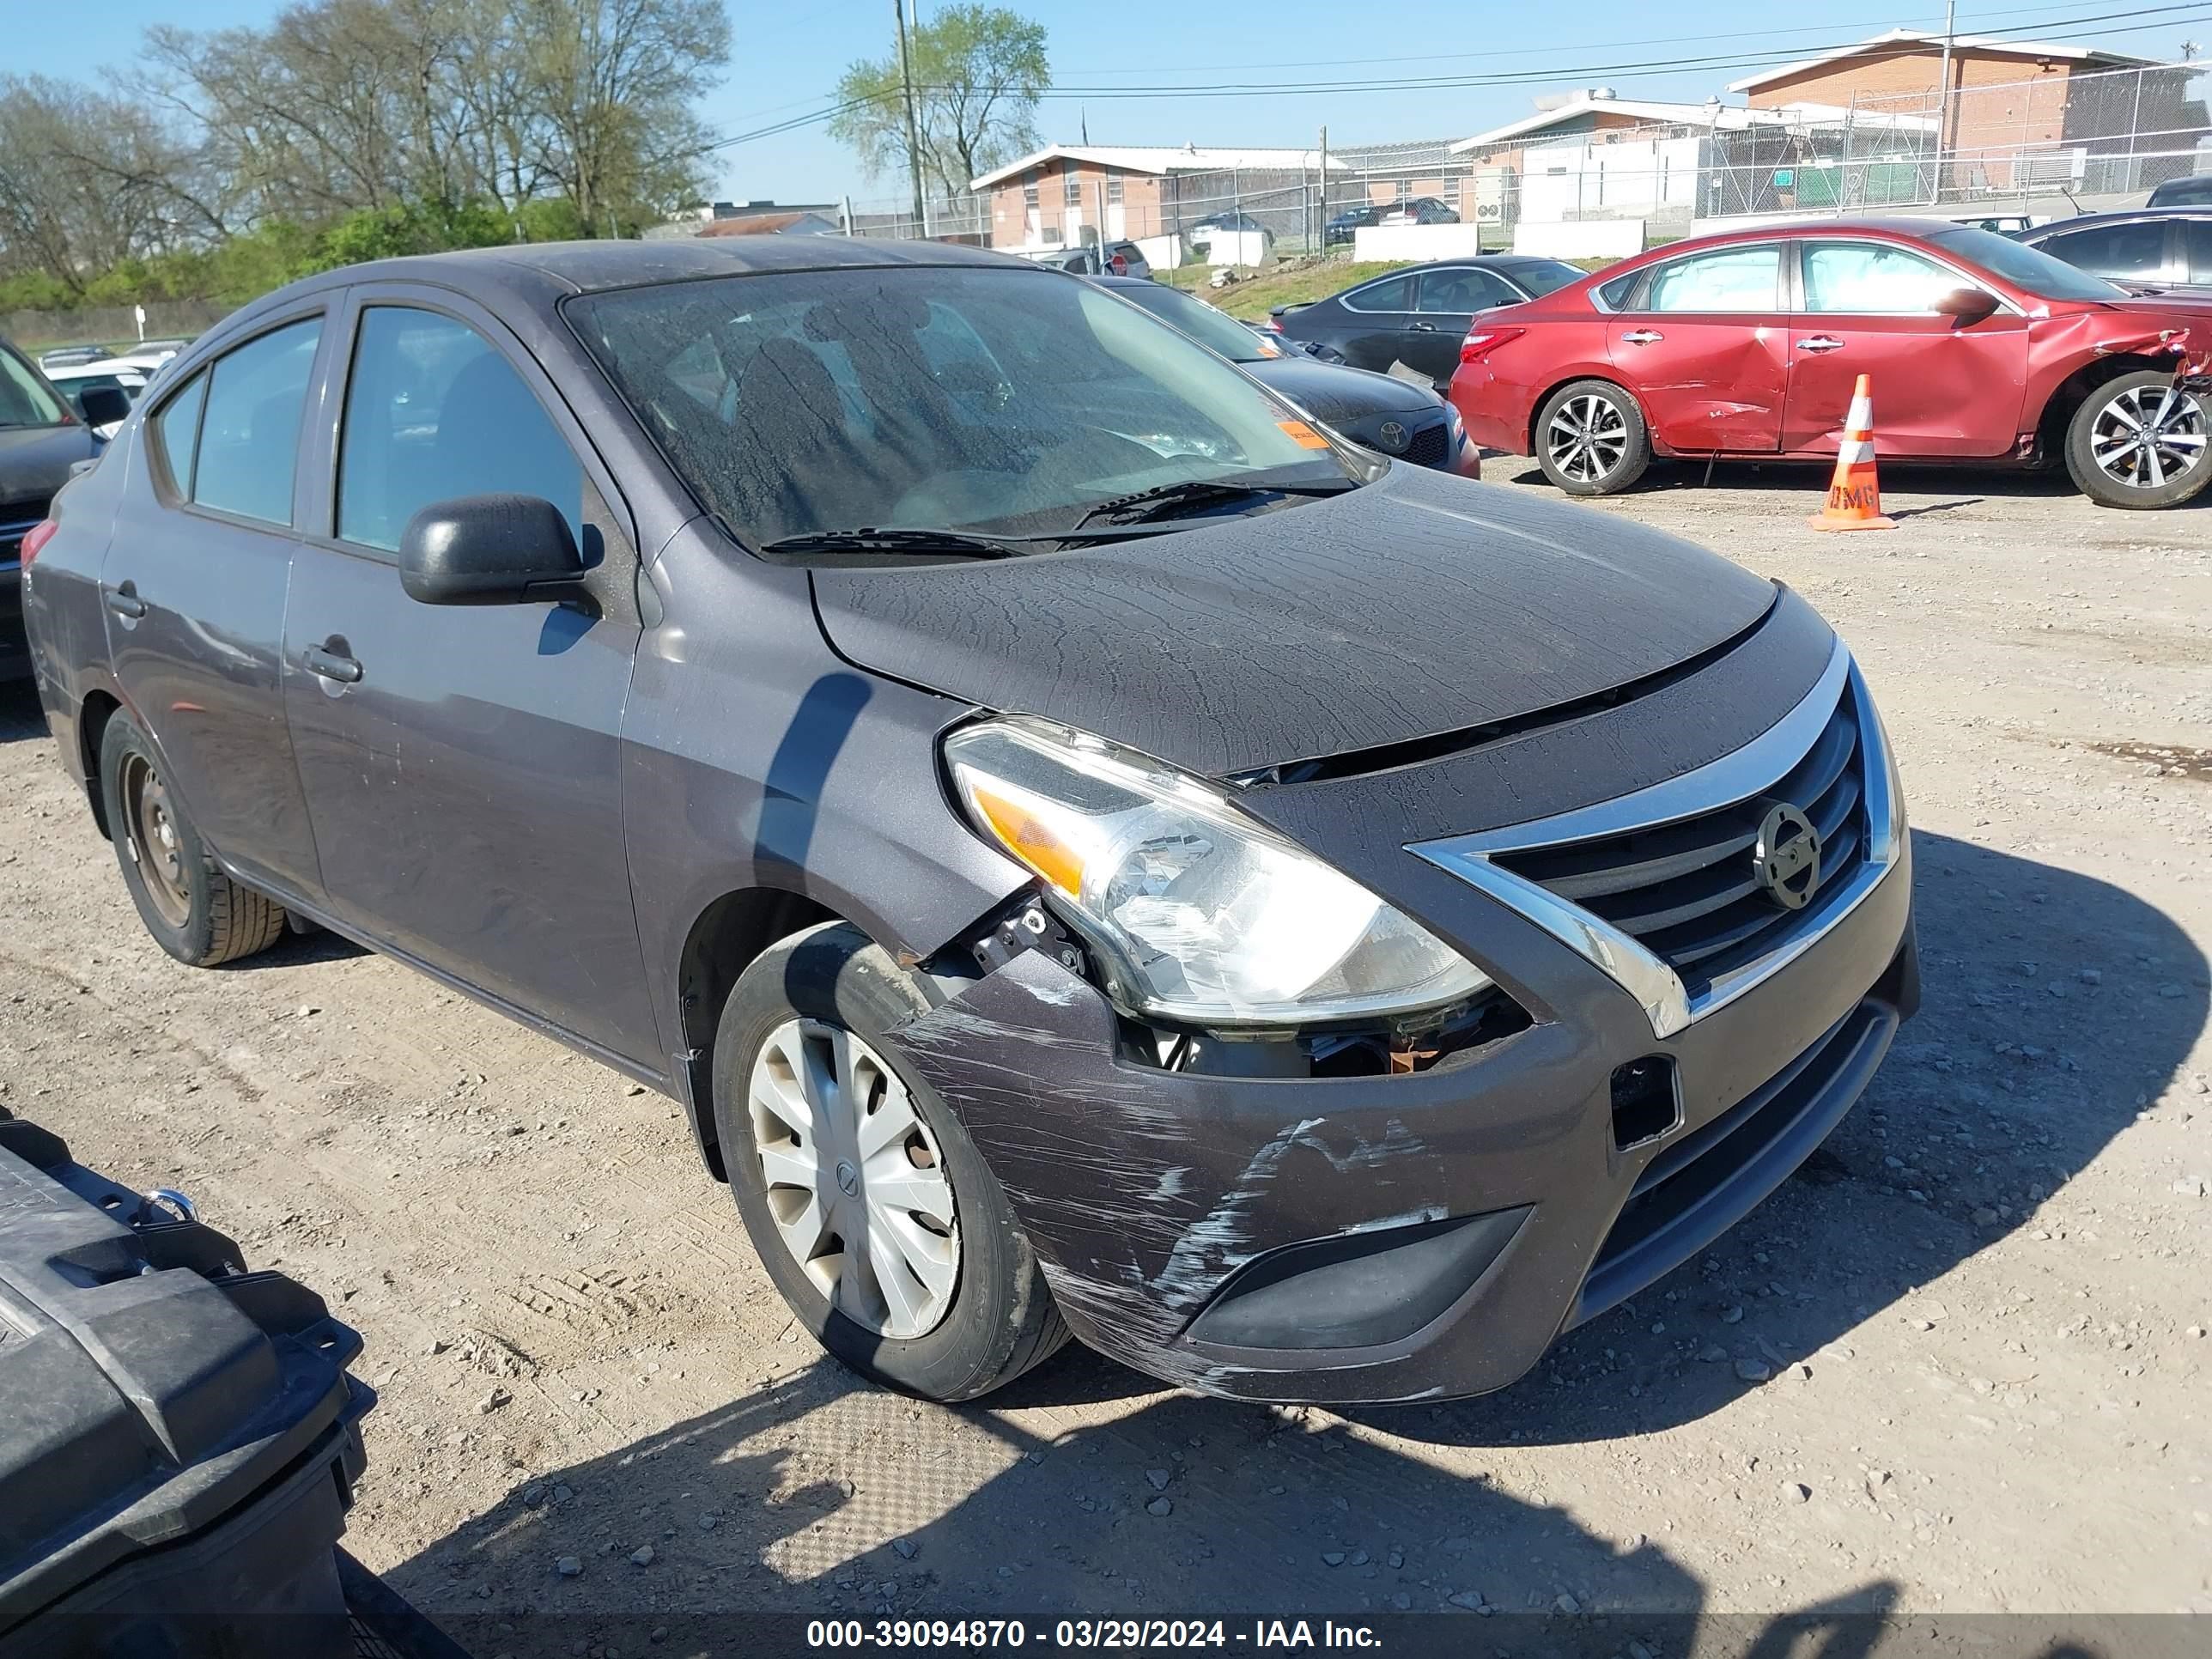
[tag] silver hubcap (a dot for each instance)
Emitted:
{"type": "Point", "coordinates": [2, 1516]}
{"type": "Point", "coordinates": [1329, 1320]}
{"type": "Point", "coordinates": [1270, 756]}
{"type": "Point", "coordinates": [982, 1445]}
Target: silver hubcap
{"type": "Point", "coordinates": [856, 1182]}
{"type": "Point", "coordinates": [2148, 436]}
{"type": "Point", "coordinates": [1587, 437]}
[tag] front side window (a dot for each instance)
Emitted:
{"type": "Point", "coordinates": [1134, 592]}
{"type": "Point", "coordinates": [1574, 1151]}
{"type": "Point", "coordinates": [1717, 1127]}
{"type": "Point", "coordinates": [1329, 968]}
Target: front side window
{"type": "Point", "coordinates": [1870, 280]}
{"type": "Point", "coordinates": [2197, 237]}
{"type": "Point", "coordinates": [2127, 253]}
{"type": "Point", "coordinates": [1012, 402]}
{"type": "Point", "coordinates": [176, 431]}
{"type": "Point", "coordinates": [1463, 290]}
{"type": "Point", "coordinates": [24, 398]}
{"type": "Point", "coordinates": [433, 413]}
{"type": "Point", "coordinates": [1391, 294]}
{"type": "Point", "coordinates": [1727, 279]}
{"type": "Point", "coordinates": [249, 442]}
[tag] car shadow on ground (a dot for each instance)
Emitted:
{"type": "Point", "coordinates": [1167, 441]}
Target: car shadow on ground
{"type": "Point", "coordinates": [1985, 1108]}
{"type": "Point", "coordinates": [1810, 479]}
{"type": "Point", "coordinates": [730, 1532]}
{"type": "Point", "coordinates": [22, 720]}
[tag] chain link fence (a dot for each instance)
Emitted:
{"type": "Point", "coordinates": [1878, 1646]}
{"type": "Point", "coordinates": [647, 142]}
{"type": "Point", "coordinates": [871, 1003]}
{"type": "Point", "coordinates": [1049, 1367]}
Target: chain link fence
{"type": "Point", "coordinates": [2054, 142]}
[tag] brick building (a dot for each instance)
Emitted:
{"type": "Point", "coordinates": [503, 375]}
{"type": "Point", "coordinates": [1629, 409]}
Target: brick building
{"type": "Point", "coordinates": [2016, 110]}
{"type": "Point", "coordinates": [1069, 194]}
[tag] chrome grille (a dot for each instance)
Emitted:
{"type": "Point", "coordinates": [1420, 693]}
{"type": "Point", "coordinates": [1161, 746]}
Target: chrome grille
{"type": "Point", "coordinates": [1686, 891]}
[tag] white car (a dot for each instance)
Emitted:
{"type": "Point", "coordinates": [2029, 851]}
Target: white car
{"type": "Point", "coordinates": [73, 380]}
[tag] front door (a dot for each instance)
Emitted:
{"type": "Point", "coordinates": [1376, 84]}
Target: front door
{"type": "Point", "coordinates": [195, 580]}
{"type": "Point", "coordinates": [1704, 342]}
{"type": "Point", "coordinates": [1941, 386]}
{"type": "Point", "coordinates": [1444, 304]}
{"type": "Point", "coordinates": [462, 764]}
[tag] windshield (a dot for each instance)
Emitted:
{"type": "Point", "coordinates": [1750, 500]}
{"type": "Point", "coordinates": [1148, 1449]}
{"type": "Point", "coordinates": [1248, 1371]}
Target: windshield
{"type": "Point", "coordinates": [24, 398]}
{"type": "Point", "coordinates": [1213, 329]}
{"type": "Point", "coordinates": [1012, 401]}
{"type": "Point", "coordinates": [2024, 267]}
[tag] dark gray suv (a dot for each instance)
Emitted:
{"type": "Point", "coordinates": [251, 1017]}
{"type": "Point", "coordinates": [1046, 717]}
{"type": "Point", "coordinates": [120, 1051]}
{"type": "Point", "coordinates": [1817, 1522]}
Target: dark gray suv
{"type": "Point", "coordinates": [1089, 851]}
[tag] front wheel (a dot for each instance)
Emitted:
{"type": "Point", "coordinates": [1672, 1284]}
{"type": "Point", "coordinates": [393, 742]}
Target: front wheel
{"type": "Point", "coordinates": [2139, 441]}
{"type": "Point", "coordinates": [1591, 439]}
{"type": "Point", "coordinates": [879, 1222]}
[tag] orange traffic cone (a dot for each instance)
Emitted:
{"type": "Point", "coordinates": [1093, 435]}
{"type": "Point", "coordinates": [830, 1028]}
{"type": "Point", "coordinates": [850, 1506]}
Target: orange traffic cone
{"type": "Point", "coordinates": [1854, 497]}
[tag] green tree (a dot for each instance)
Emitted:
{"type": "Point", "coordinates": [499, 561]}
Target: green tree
{"type": "Point", "coordinates": [978, 74]}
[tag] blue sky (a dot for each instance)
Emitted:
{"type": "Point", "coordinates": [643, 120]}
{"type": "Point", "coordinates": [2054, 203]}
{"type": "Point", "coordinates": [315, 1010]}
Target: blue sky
{"type": "Point", "coordinates": [788, 59]}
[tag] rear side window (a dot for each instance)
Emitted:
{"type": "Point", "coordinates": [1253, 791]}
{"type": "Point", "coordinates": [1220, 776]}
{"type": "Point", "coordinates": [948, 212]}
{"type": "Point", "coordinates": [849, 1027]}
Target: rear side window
{"type": "Point", "coordinates": [2133, 252]}
{"type": "Point", "coordinates": [434, 412]}
{"type": "Point", "coordinates": [1391, 294]}
{"type": "Point", "coordinates": [2197, 237]}
{"type": "Point", "coordinates": [1727, 279]}
{"type": "Point", "coordinates": [177, 430]}
{"type": "Point", "coordinates": [249, 442]}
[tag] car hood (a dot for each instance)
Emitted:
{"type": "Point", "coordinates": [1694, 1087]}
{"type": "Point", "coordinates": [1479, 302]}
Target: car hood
{"type": "Point", "coordinates": [1418, 605]}
{"type": "Point", "coordinates": [36, 460]}
{"type": "Point", "coordinates": [1335, 393]}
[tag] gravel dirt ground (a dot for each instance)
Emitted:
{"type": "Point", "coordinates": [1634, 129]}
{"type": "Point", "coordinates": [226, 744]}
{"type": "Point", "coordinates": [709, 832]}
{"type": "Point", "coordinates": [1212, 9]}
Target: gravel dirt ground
{"type": "Point", "coordinates": [1957, 1365]}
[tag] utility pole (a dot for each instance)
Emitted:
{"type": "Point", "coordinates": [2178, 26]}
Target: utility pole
{"type": "Point", "coordinates": [1320, 230]}
{"type": "Point", "coordinates": [912, 144]}
{"type": "Point", "coordinates": [1943, 97]}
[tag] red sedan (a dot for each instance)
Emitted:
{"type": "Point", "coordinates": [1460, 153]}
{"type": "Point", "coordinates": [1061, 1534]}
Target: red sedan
{"type": "Point", "coordinates": [1746, 344]}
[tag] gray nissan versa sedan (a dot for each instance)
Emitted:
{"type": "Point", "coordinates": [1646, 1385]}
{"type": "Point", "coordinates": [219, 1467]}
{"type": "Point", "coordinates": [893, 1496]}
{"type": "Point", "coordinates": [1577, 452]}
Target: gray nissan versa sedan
{"type": "Point", "coordinates": [1091, 852]}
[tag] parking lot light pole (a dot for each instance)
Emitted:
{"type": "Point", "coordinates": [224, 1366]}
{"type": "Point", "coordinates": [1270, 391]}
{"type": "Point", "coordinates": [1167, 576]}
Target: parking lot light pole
{"type": "Point", "coordinates": [913, 146]}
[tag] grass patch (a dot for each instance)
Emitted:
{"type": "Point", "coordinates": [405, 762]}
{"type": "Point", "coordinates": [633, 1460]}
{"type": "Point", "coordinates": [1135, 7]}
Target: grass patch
{"type": "Point", "coordinates": [1251, 300]}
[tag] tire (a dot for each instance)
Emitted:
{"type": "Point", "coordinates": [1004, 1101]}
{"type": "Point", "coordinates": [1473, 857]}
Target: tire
{"type": "Point", "coordinates": [194, 912]}
{"type": "Point", "coordinates": [996, 1319]}
{"type": "Point", "coordinates": [2102, 424]}
{"type": "Point", "coordinates": [1609, 460]}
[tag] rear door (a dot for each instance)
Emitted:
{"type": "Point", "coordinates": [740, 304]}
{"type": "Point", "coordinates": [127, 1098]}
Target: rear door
{"type": "Point", "coordinates": [1941, 386]}
{"type": "Point", "coordinates": [1370, 327]}
{"type": "Point", "coordinates": [462, 763]}
{"type": "Point", "coordinates": [195, 581]}
{"type": "Point", "coordinates": [1445, 301]}
{"type": "Point", "coordinates": [1704, 341]}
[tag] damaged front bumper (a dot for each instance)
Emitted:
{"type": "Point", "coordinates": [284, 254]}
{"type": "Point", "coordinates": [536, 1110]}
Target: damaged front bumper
{"type": "Point", "coordinates": [1404, 1237]}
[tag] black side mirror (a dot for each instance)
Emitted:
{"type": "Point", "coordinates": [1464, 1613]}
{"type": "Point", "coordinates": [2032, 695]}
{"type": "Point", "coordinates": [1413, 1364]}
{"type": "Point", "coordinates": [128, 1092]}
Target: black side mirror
{"type": "Point", "coordinates": [100, 405]}
{"type": "Point", "coordinates": [491, 550]}
{"type": "Point", "coordinates": [1967, 305]}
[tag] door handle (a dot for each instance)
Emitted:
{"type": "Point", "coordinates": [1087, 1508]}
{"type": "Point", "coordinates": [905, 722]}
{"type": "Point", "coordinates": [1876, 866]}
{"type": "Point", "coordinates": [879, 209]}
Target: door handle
{"type": "Point", "coordinates": [328, 665]}
{"type": "Point", "coordinates": [1820, 343]}
{"type": "Point", "coordinates": [1642, 336]}
{"type": "Point", "coordinates": [1420, 328]}
{"type": "Point", "coordinates": [124, 602]}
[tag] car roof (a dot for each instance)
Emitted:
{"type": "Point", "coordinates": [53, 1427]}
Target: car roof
{"type": "Point", "coordinates": [536, 276]}
{"type": "Point", "coordinates": [2121, 217]}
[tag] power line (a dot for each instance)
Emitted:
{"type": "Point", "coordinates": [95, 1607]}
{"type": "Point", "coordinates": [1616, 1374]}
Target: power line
{"type": "Point", "coordinates": [1543, 51]}
{"type": "Point", "coordinates": [2065, 29]}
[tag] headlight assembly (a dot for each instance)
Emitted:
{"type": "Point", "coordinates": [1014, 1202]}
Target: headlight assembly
{"type": "Point", "coordinates": [1198, 912]}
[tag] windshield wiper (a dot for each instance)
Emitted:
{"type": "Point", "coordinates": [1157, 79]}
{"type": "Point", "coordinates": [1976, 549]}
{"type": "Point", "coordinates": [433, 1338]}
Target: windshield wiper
{"type": "Point", "coordinates": [906, 541]}
{"type": "Point", "coordinates": [1158, 502]}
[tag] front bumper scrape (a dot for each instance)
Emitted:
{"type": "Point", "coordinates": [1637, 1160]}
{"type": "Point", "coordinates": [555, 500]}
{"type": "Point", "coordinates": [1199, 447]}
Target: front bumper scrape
{"type": "Point", "coordinates": [1144, 1192]}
